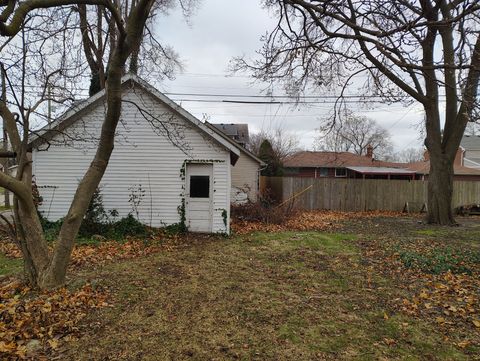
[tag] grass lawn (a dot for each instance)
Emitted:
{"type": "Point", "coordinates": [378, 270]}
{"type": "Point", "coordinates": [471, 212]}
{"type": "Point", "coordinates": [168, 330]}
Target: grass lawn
{"type": "Point", "coordinates": [10, 266]}
{"type": "Point", "coordinates": [365, 288]}
{"type": "Point", "coordinates": [261, 296]}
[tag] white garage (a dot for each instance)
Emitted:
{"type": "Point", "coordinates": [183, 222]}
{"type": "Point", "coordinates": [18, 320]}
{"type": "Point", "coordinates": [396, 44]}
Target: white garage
{"type": "Point", "coordinates": [175, 168]}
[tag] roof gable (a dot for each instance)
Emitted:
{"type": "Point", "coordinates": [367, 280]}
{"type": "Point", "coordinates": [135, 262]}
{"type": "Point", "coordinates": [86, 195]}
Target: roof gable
{"type": "Point", "coordinates": [242, 149]}
{"type": "Point", "coordinates": [69, 117]}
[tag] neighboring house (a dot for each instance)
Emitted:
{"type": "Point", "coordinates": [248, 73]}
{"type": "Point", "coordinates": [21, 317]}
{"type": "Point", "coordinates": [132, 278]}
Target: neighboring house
{"type": "Point", "coordinates": [460, 170]}
{"type": "Point", "coordinates": [471, 145]}
{"type": "Point", "coordinates": [246, 172]}
{"type": "Point", "coordinates": [190, 177]}
{"type": "Point", "coordinates": [238, 132]}
{"type": "Point", "coordinates": [349, 165]}
{"type": "Point", "coordinates": [343, 165]}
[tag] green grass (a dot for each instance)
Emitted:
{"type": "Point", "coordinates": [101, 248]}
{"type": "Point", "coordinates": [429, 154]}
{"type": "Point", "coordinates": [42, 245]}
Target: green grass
{"type": "Point", "coordinates": [457, 235]}
{"type": "Point", "coordinates": [441, 260]}
{"type": "Point", "coordinates": [264, 296]}
{"type": "Point", "coordinates": [431, 232]}
{"type": "Point", "coordinates": [329, 243]}
{"type": "Point", "coordinates": [10, 266]}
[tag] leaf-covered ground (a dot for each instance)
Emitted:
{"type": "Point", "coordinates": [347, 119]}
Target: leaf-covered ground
{"type": "Point", "coordinates": [335, 286]}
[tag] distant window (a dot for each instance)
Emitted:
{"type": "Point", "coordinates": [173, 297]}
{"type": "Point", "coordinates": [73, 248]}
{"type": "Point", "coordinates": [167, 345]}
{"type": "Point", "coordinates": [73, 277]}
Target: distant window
{"type": "Point", "coordinates": [340, 172]}
{"type": "Point", "coordinates": [292, 170]}
{"type": "Point", "coordinates": [199, 186]}
{"type": "Point", "coordinates": [322, 172]}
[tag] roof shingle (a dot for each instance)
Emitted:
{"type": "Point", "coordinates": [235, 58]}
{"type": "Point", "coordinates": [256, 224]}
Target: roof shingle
{"type": "Point", "coordinates": [335, 160]}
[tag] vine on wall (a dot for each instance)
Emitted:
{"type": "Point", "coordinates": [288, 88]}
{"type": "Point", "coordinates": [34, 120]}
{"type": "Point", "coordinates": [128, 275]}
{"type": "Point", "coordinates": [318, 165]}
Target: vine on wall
{"type": "Point", "coordinates": [181, 208]}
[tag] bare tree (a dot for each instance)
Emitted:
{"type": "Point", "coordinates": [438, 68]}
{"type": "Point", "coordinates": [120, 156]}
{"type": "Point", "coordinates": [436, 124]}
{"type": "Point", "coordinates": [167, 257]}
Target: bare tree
{"type": "Point", "coordinates": [473, 128]}
{"type": "Point", "coordinates": [354, 133]}
{"type": "Point", "coordinates": [99, 35]}
{"type": "Point", "coordinates": [424, 51]}
{"type": "Point", "coordinates": [410, 155]}
{"type": "Point", "coordinates": [46, 268]}
{"type": "Point", "coordinates": [283, 143]}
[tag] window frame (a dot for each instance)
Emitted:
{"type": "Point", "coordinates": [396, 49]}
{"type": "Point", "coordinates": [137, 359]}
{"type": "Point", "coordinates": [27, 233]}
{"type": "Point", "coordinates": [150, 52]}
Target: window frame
{"type": "Point", "coordinates": [199, 194]}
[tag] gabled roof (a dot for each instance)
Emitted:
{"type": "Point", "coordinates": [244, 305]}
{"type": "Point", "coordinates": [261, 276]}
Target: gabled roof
{"type": "Point", "coordinates": [334, 160]}
{"type": "Point", "coordinates": [237, 131]}
{"type": "Point", "coordinates": [69, 117]}
{"type": "Point", "coordinates": [242, 149]}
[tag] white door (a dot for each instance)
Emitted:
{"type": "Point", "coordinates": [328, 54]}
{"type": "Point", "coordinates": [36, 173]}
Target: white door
{"type": "Point", "coordinates": [199, 195]}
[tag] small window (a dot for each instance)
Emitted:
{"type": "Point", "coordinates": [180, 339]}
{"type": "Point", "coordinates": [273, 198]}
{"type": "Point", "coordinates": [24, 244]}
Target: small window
{"type": "Point", "coordinates": [340, 172]}
{"type": "Point", "coordinates": [323, 172]}
{"type": "Point", "coordinates": [199, 186]}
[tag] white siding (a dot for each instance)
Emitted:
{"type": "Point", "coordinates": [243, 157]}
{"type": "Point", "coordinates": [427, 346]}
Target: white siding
{"type": "Point", "coordinates": [143, 156]}
{"type": "Point", "coordinates": [245, 176]}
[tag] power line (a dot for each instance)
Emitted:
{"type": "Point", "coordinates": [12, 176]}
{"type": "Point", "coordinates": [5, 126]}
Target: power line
{"type": "Point", "coordinates": [246, 102]}
{"type": "Point", "coordinates": [331, 96]}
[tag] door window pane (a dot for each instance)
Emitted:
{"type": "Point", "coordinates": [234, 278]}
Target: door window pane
{"type": "Point", "coordinates": [199, 186]}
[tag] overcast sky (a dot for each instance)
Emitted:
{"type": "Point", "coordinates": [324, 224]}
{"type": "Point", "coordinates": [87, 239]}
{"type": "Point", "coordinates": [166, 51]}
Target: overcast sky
{"type": "Point", "coordinates": [220, 30]}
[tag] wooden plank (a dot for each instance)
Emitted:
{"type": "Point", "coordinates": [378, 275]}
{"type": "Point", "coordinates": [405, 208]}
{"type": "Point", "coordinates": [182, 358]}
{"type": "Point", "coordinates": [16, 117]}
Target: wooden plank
{"type": "Point", "coordinates": [343, 194]}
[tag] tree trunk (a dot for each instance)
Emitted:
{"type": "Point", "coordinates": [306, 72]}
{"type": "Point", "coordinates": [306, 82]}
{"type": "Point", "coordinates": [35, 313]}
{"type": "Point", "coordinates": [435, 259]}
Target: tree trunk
{"type": "Point", "coordinates": [440, 191]}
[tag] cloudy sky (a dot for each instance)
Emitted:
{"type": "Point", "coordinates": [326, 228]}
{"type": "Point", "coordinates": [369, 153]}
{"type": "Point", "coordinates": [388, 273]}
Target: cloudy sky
{"type": "Point", "coordinates": [220, 30]}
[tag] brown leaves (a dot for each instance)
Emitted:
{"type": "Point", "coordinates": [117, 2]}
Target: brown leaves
{"type": "Point", "coordinates": [453, 296]}
{"type": "Point", "coordinates": [43, 320]}
{"type": "Point", "coordinates": [452, 301]}
{"type": "Point", "coordinates": [9, 249]}
{"type": "Point", "coordinates": [107, 251]}
{"type": "Point", "coordinates": [307, 221]}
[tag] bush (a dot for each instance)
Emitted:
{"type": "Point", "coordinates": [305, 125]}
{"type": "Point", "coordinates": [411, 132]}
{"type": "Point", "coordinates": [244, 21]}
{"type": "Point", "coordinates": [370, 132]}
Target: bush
{"type": "Point", "coordinates": [264, 210]}
{"type": "Point", "coordinates": [97, 222]}
{"type": "Point", "coordinates": [50, 229]}
{"type": "Point", "coordinates": [128, 226]}
{"type": "Point", "coordinates": [96, 219]}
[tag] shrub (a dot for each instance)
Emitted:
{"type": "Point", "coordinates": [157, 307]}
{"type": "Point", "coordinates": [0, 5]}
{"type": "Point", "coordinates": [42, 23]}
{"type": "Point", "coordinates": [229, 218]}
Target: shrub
{"type": "Point", "coordinates": [50, 229]}
{"type": "Point", "coordinates": [96, 219]}
{"type": "Point", "coordinates": [127, 226]}
{"type": "Point", "coordinates": [264, 210]}
{"type": "Point", "coordinates": [97, 222]}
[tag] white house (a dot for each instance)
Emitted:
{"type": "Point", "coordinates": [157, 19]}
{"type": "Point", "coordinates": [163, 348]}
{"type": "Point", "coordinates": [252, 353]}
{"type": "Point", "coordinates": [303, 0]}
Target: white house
{"type": "Point", "coordinates": [166, 164]}
{"type": "Point", "coordinates": [471, 145]}
{"type": "Point", "coordinates": [246, 172]}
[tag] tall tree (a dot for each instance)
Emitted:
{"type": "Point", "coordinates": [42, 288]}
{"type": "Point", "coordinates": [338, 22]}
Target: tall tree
{"type": "Point", "coordinates": [354, 133]}
{"type": "Point", "coordinates": [46, 268]}
{"type": "Point", "coordinates": [421, 51]}
{"type": "Point", "coordinates": [410, 155]}
{"type": "Point", "coordinates": [282, 142]}
{"type": "Point", "coordinates": [99, 35]}
{"type": "Point", "coordinates": [273, 166]}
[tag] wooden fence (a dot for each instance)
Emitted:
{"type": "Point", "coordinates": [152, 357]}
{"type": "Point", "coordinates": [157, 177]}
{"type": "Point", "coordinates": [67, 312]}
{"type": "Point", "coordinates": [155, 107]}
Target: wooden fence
{"type": "Point", "coordinates": [363, 194]}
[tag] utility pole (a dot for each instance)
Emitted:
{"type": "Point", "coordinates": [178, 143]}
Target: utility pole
{"type": "Point", "coordinates": [49, 95]}
{"type": "Point", "coordinates": [6, 161]}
